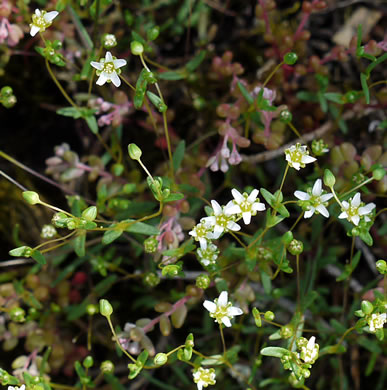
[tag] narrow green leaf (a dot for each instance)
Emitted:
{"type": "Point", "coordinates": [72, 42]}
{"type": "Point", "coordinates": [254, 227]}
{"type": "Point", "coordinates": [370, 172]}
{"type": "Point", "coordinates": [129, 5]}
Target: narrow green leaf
{"type": "Point", "coordinates": [245, 93]}
{"type": "Point", "coordinates": [334, 97]}
{"type": "Point", "coordinates": [142, 228]}
{"type": "Point", "coordinates": [111, 235]}
{"type": "Point", "coordinates": [172, 75]}
{"type": "Point", "coordinates": [364, 85]}
{"type": "Point", "coordinates": [92, 123]}
{"type": "Point", "coordinates": [196, 61]}
{"type": "Point", "coordinates": [274, 351]}
{"type": "Point", "coordinates": [173, 197]}
{"type": "Point", "coordinates": [85, 37]}
{"type": "Point", "coordinates": [178, 155]}
{"type": "Point", "coordinates": [36, 255]}
{"type": "Point", "coordinates": [79, 243]}
{"type": "Point", "coordinates": [69, 111]}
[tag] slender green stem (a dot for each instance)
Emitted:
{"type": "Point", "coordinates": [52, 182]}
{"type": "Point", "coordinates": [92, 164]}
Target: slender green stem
{"type": "Point", "coordinates": [13, 181]}
{"type": "Point", "coordinates": [118, 342]}
{"type": "Point", "coordinates": [64, 93]}
{"type": "Point", "coordinates": [283, 179]}
{"type": "Point", "coordinates": [380, 212]}
{"type": "Point", "coordinates": [298, 279]}
{"type": "Point", "coordinates": [272, 73]}
{"type": "Point", "coordinates": [55, 240]}
{"type": "Point", "coordinates": [335, 196]}
{"type": "Point", "coordinates": [298, 220]}
{"type": "Point", "coordinates": [237, 238]}
{"type": "Point", "coordinates": [62, 387]}
{"type": "Point", "coordinates": [56, 209]}
{"type": "Point", "coordinates": [223, 342]}
{"type": "Point", "coordinates": [127, 82]}
{"type": "Point", "coordinates": [295, 131]}
{"type": "Point", "coordinates": [357, 187]}
{"type": "Point", "coordinates": [345, 334]}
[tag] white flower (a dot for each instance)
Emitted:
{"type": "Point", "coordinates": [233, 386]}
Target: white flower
{"type": "Point", "coordinates": [202, 233]}
{"type": "Point", "coordinates": [297, 156]}
{"type": "Point", "coordinates": [309, 352]}
{"type": "Point", "coordinates": [108, 69]}
{"type": "Point", "coordinates": [209, 255]}
{"type": "Point", "coordinates": [314, 200]}
{"type": "Point", "coordinates": [204, 377]}
{"type": "Point", "coordinates": [222, 310]}
{"type": "Point", "coordinates": [220, 221]}
{"type": "Point", "coordinates": [376, 321]}
{"type": "Point", "coordinates": [41, 20]}
{"type": "Point", "coordinates": [246, 205]}
{"type": "Point", "coordinates": [353, 210]}
{"type": "Point", "coordinates": [48, 231]}
{"type": "Point", "coordinates": [22, 387]}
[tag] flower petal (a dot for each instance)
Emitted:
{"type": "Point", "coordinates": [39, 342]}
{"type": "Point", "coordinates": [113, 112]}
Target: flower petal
{"type": "Point", "coordinates": [355, 219]}
{"type": "Point", "coordinates": [223, 298]}
{"type": "Point", "coordinates": [246, 217]}
{"type": "Point", "coordinates": [226, 321]}
{"type": "Point", "coordinates": [216, 207]}
{"type": "Point", "coordinates": [96, 65]}
{"type": "Point", "coordinates": [366, 209]}
{"type": "Point", "coordinates": [356, 200]}
{"type": "Point", "coordinates": [34, 30]}
{"type": "Point", "coordinates": [253, 195]}
{"type": "Point", "coordinates": [37, 12]}
{"type": "Point", "coordinates": [49, 16]}
{"type": "Point", "coordinates": [301, 195]}
{"type": "Point", "coordinates": [257, 206]}
{"type": "Point", "coordinates": [102, 79]}
{"type": "Point", "coordinates": [343, 215]}
{"type": "Point", "coordinates": [322, 210]}
{"type": "Point", "coordinates": [324, 198]}
{"type": "Point", "coordinates": [210, 306]}
{"type": "Point", "coordinates": [309, 213]}
{"type": "Point", "coordinates": [237, 195]}
{"type": "Point", "coordinates": [234, 209]}
{"type": "Point", "coordinates": [306, 159]}
{"type": "Point", "coordinates": [108, 57]}
{"type": "Point", "coordinates": [119, 63]}
{"type": "Point", "coordinates": [115, 79]}
{"type": "Point", "coordinates": [317, 188]}
{"type": "Point", "coordinates": [234, 311]}
{"type": "Point", "coordinates": [231, 225]}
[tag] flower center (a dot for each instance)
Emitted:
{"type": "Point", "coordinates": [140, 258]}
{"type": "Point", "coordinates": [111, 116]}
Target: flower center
{"type": "Point", "coordinates": [222, 220]}
{"type": "Point", "coordinates": [352, 211]}
{"type": "Point", "coordinates": [296, 156]}
{"type": "Point", "coordinates": [245, 206]}
{"type": "Point", "coordinates": [108, 67]}
{"type": "Point", "coordinates": [39, 21]}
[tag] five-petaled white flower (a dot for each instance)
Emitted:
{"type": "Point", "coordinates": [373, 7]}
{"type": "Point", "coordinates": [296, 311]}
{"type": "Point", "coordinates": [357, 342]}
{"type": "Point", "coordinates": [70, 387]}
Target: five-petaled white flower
{"type": "Point", "coordinates": [297, 156]}
{"type": "Point", "coordinates": [22, 387]}
{"type": "Point", "coordinates": [204, 377]}
{"type": "Point", "coordinates": [209, 255]}
{"type": "Point", "coordinates": [220, 221]}
{"type": "Point", "coordinates": [354, 209]}
{"type": "Point", "coordinates": [245, 205]}
{"type": "Point", "coordinates": [202, 233]}
{"type": "Point", "coordinates": [309, 352]}
{"type": "Point", "coordinates": [377, 321]}
{"type": "Point", "coordinates": [222, 310]}
{"type": "Point", "coordinates": [314, 200]}
{"type": "Point", "coordinates": [41, 20]}
{"type": "Point", "coordinates": [108, 69]}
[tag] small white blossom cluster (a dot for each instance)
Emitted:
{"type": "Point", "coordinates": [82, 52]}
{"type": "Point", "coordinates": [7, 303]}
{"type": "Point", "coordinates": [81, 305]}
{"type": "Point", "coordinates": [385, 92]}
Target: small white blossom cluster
{"type": "Point", "coordinates": [376, 321]}
{"type": "Point", "coordinates": [297, 156]}
{"type": "Point", "coordinates": [41, 20]}
{"type": "Point", "coordinates": [222, 310]}
{"type": "Point", "coordinates": [354, 210]}
{"type": "Point", "coordinates": [48, 231]}
{"type": "Point", "coordinates": [315, 200]}
{"type": "Point", "coordinates": [309, 350]}
{"type": "Point", "coordinates": [108, 69]}
{"type": "Point", "coordinates": [222, 220]}
{"type": "Point", "coordinates": [22, 387]}
{"type": "Point", "coordinates": [204, 377]}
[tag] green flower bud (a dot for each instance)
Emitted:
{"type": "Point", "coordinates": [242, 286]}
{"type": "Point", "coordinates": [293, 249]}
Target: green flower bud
{"type": "Point", "coordinates": [189, 341]}
{"type": "Point", "coordinates": [136, 48]}
{"type": "Point", "coordinates": [171, 270]}
{"type": "Point", "coordinates": [55, 308]}
{"type": "Point", "coordinates": [153, 33]}
{"type": "Point", "coordinates": [107, 367]}
{"type": "Point", "coordinates": [367, 307]}
{"type": "Point", "coordinates": [17, 314]}
{"type": "Point", "coordinates": [203, 281]}
{"type": "Point", "coordinates": [90, 213]}
{"type": "Point", "coordinates": [24, 251]}
{"type": "Point", "coordinates": [351, 96]}
{"type": "Point", "coordinates": [150, 244]}
{"type": "Point", "coordinates": [31, 197]}
{"type": "Point", "coordinates": [6, 91]}
{"type": "Point", "coordinates": [319, 147]}
{"type": "Point", "coordinates": [257, 317]}
{"type": "Point", "coordinates": [286, 331]}
{"type": "Point", "coordinates": [134, 152]}
{"type": "Point", "coordinates": [151, 279]}
{"type": "Point", "coordinates": [91, 309]}
{"type": "Point", "coordinates": [290, 58]}
{"type": "Point", "coordinates": [296, 247]}
{"type": "Point", "coordinates": [269, 316]}
{"type": "Point", "coordinates": [105, 308]}
{"type": "Point", "coordinates": [329, 178]}
{"type": "Point", "coordinates": [160, 359]}
{"type": "Point", "coordinates": [381, 266]}
{"type": "Point", "coordinates": [378, 173]}
{"type": "Point", "coordinates": [88, 362]}
{"type": "Point", "coordinates": [117, 169]}
{"type": "Point", "coordinates": [287, 238]}
{"type": "Point", "coordinates": [285, 116]}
